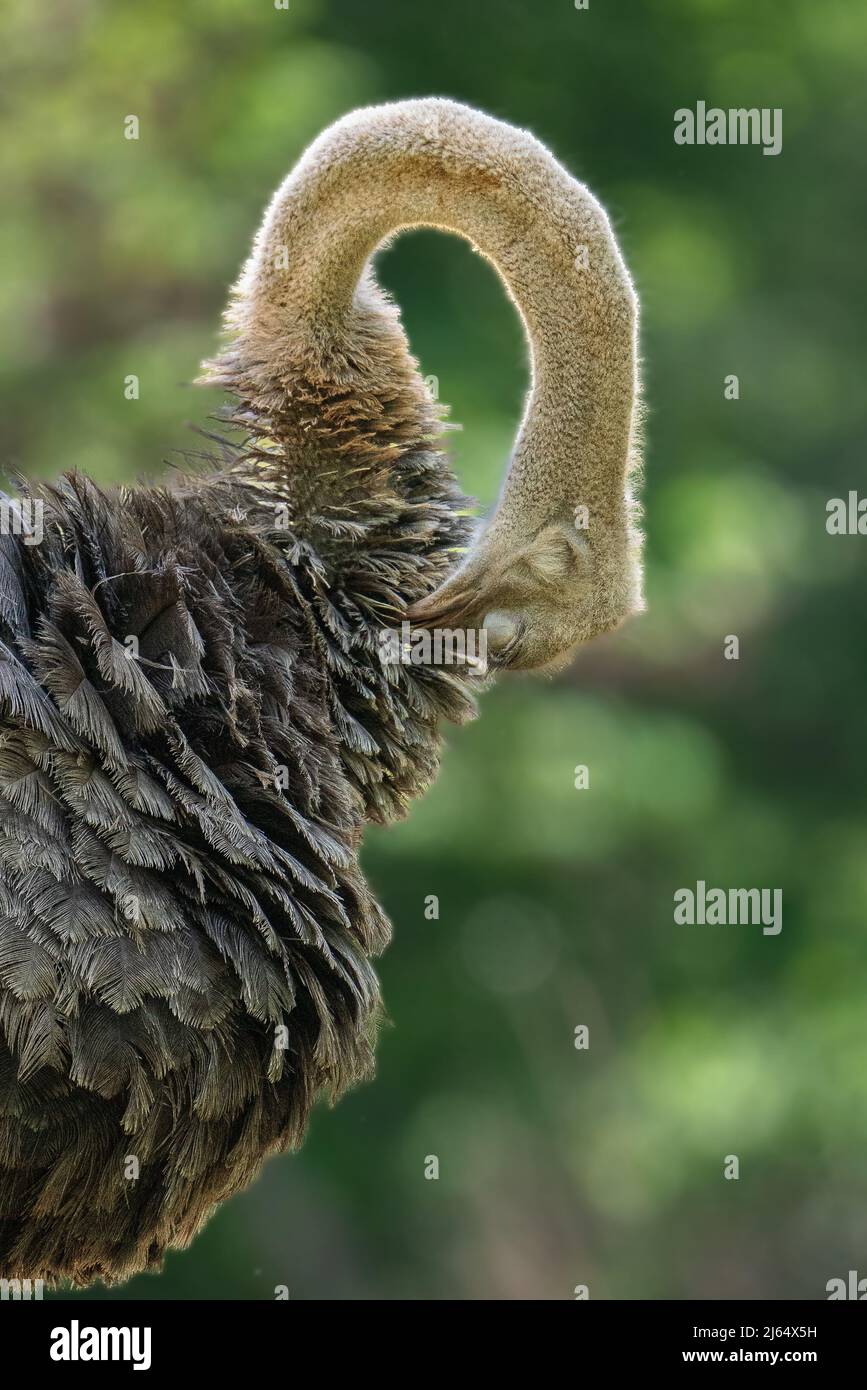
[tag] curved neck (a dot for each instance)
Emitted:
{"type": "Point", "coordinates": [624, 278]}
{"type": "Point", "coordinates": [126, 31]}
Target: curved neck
{"type": "Point", "coordinates": [307, 302]}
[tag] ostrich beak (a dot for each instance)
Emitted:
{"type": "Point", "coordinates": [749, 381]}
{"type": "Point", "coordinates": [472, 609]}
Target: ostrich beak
{"type": "Point", "coordinates": [446, 604]}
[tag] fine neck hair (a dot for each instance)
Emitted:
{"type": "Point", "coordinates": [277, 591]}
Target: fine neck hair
{"type": "Point", "coordinates": [307, 309]}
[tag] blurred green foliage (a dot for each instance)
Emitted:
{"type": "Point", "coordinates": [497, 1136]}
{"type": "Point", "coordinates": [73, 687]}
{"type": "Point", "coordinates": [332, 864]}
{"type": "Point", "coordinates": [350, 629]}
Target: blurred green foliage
{"type": "Point", "coordinates": [557, 1167]}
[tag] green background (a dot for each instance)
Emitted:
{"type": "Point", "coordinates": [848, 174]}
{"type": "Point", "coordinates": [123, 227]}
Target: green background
{"type": "Point", "coordinates": [557, 1167]}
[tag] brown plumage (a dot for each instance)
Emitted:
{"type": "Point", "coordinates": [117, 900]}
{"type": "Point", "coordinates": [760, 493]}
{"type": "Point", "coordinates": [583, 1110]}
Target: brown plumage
{"type": "Point", "coordinates": [195, 722]}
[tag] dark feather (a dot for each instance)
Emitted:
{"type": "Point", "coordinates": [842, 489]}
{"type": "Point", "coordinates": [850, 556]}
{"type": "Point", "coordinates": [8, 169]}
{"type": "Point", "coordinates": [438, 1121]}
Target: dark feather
{"type": "Point", "coordinates": [195, 726]}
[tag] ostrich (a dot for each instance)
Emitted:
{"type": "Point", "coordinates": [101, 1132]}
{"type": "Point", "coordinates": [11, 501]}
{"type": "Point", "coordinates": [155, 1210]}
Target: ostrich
{"type": "Point", "coordinates": [195, 720]}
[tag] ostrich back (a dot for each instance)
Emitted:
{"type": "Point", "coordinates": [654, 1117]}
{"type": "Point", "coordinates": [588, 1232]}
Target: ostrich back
{"type": "Point", "coordinates": [195, 724]}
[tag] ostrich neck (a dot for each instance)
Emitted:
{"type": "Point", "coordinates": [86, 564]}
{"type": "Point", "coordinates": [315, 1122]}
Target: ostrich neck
{"type": "Point", "coordinates": [308, 300]}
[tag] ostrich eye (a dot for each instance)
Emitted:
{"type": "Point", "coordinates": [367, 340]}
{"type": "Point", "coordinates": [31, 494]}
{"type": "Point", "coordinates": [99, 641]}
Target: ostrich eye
{"type": "Point", "coordinates": [555, 554]}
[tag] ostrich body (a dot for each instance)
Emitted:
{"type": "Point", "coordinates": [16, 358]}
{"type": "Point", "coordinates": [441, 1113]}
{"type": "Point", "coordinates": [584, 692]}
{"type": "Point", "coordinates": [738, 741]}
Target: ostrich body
{"type": "Point", "coordinates": [195, 720]}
